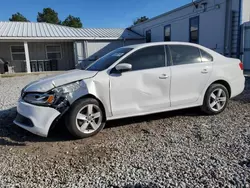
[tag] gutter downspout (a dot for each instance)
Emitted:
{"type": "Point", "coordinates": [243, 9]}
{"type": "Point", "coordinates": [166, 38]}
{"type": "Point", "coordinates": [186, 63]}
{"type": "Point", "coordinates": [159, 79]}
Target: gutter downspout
{"type": "Point", "coordinates": [124, 41]}
{"type": "Point", "coordinates": [227, 46]}
{"type": "Point", "coordinates": [239, 29]}
{"type": "Point", "coordinates": [243, 43]}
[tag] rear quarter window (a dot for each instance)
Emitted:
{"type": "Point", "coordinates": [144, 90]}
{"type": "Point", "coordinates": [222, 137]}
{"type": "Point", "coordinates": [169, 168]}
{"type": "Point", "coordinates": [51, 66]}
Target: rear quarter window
{"type": "Point", "coordinates": [206, 57]}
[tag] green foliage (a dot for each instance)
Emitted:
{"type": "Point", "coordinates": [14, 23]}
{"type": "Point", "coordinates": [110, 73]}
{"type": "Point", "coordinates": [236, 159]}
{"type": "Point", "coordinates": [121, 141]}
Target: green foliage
{"type": "Point", "coordinates": [49, 16]}
{"type": "Point", "coordinates": [140, 20]}
{"type": "Point", "coordinates": [18, 17]}
{"type": "Point", "coordinates": [72, 21]}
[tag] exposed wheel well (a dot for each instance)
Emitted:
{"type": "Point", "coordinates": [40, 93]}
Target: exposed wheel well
{"type": "Point", "coordinates": [224, 83]}
{"type": "Point", "coordinates": [93, 97]}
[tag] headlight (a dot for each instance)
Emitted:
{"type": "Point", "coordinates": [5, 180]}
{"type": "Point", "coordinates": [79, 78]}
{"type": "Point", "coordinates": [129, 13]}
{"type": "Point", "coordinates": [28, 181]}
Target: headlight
{"type": "Point", "coordinates": [39, 98]}
{"type": "Point", "coordinates": [66, 89]}
{"type": "Point", "coordinates": [52, 97]}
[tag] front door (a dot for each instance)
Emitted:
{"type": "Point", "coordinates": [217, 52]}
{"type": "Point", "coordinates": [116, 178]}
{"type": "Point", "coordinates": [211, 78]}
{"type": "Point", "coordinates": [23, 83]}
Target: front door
{"type": "Point", "coordinates": [145, 88]}
{"type": "Point", "coordinates": [190, 73]}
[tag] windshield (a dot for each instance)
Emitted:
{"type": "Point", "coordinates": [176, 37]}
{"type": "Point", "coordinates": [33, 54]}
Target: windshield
{"type": "Point", "coordinates": [107, 60]}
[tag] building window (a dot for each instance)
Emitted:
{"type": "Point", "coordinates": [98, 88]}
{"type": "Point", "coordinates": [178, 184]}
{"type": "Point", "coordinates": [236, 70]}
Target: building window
{"type": "Point", "coordinates": [167, 33]}
{"type": "Point", "coordinates": [54, 52]}
{"type": "Point", "coordinates": [194, 30]}
{"type": "Point", "coordinates": [17, 53]}
{"type": "Point", "coordinates": [148, 36]}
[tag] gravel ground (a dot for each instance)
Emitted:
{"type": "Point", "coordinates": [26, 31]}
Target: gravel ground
{"type": "Point", "coordinates": [173, 149]}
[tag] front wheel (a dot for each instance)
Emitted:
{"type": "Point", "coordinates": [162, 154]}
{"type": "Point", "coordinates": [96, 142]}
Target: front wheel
{"type": "Point", "coordinates": [215, 100]}
{"type": "Point", "coordinates": [85, 118]}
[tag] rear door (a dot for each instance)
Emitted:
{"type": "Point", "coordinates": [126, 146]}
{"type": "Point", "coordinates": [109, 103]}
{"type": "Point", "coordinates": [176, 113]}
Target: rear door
{"type": "Point", "coordinates": [145, 88]}
{"type": "Point", "coordinates": [190, 70]}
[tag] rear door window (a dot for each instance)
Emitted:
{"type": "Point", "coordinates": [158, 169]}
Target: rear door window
{"type": "Point", "coordinates": [182, 54]}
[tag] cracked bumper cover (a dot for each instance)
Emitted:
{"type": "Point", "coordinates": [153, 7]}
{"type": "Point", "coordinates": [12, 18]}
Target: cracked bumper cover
{"type": "Point", "coordinates": [41, 117]}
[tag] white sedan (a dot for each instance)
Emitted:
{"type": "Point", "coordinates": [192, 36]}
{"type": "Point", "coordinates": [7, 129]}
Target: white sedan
{"type": "Point", "coordinates": [131, 81]}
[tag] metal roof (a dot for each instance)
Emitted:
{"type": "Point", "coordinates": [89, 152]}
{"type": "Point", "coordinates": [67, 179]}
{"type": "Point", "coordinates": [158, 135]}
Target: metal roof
{"type": "Point", "coordinates": [31, 30]}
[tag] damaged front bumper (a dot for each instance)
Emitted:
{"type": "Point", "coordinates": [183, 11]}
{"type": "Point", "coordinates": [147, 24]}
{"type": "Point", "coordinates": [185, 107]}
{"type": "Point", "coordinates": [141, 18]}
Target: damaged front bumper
{"type": "Point", "coordinates": [35, 119]}
{"type": "Point", "coordinates": [37, 111]}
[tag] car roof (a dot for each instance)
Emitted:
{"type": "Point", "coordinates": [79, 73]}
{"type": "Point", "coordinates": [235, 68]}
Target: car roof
{"type": "Point", "coordinates": [138, 46]}
{"type": "Point", "coordinates": [161, 43]}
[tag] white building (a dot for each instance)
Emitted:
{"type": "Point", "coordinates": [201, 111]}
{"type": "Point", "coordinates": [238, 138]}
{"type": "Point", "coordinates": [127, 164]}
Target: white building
{"type": "Point", "coordinates": [211, 23]}
{"type": "Point", "coordinates": [33, 47]}
{"type": "Point", "coordinates": [245, 11]}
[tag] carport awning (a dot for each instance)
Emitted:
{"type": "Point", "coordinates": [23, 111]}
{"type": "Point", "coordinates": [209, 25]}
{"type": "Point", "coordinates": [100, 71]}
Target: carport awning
{"type": "Point", "coordinates": [44, 31]}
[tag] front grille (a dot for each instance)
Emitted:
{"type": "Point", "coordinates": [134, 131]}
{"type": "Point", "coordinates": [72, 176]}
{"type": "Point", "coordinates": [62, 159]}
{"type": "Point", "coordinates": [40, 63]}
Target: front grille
{"type": "Point", "coordinates": [23, 120]}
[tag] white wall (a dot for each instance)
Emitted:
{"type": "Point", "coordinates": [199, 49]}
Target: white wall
{"type": "Point", "coordinates": [212, 24]}
{"type": "Point", "coordinates": [100, 48]}
{"type": "Point", "coordinates": [88, 51]}
{"type": "Point", "coordinates": [245, 11]}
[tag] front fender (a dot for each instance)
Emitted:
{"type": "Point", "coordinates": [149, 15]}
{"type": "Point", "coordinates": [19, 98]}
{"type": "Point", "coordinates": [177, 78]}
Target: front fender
{"type": "Point", "coordinates": [99, 88]}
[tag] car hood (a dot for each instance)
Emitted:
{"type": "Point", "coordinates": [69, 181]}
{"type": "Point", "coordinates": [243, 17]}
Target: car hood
{"type": "Point", "coordinates": [48, 83]}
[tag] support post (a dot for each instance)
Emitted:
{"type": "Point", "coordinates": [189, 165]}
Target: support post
{"type": "Point", "coordinates": [27, 57]}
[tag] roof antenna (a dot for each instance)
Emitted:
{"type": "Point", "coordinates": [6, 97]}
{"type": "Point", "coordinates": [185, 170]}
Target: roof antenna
{"type": "Point", "coordinates": [195, 4]}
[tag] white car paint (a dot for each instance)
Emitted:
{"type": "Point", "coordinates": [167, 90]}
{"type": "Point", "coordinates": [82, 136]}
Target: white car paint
{"type": "Point", "coordinates": [136, 93]}
{"type": "Point", "coordinates": [47, 83]}
{"type": "Point", "coordinates": [42, 117]}
{"type": "Point", "coordinates": [188, 82]}
{"type": "Point", "coordinates": [149, 90]}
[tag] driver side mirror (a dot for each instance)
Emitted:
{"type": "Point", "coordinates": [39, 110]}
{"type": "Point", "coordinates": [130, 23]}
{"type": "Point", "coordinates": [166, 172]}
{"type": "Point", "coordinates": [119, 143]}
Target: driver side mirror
{"type": "Point", "coordinates": [123, 67]}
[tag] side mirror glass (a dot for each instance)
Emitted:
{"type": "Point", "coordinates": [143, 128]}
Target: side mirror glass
{"type": "Point", "coordinates": [123, 67]}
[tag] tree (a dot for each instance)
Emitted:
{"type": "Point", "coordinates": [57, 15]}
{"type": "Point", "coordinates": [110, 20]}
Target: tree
{"type": "Point", "coordinates": [18, 17]}
{"type": "Point", "coordinates": [140, 20]}
{"type": "Point", "coordinates": [49, 16]}
{"type": "Point", "coordinates": [72, 21]}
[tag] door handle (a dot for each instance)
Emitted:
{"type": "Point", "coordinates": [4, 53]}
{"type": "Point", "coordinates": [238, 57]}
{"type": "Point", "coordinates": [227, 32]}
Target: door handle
{"type": "Point", "coordinates": [163, 76]}
{"type": "Point", "coordinates": [205, 70]}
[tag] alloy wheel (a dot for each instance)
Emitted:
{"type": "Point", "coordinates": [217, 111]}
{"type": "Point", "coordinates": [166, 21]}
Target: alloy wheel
{"type": "Point", "coordinates": [217, 99]}
{"type": "Point", "coordinates": [89, 119]}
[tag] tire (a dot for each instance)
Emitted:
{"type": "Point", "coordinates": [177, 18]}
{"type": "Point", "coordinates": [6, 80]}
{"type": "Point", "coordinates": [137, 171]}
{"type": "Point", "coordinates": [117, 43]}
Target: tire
{"type": "Point", "coordinates": [83, 123]}
{"type": "Point", "coordinates": [212, 100]}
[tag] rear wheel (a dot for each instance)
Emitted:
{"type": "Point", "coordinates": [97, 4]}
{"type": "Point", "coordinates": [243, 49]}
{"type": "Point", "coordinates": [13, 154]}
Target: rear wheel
{"type": "Point", "coordinates": [85, 118]}
{"type": "Point", "coordinates": [215, 100]}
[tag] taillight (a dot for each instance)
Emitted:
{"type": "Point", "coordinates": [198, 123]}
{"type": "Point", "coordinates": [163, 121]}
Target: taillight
{"type": "Point", "coordinates": [241, 66]}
